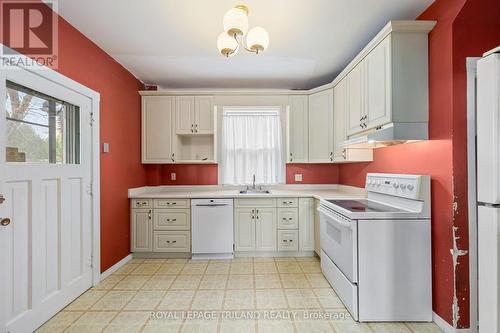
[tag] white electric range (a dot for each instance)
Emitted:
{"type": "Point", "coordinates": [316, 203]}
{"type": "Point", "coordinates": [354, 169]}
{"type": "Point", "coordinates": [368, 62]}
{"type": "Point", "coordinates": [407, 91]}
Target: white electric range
{"type": "Point", "coordinates": [376, 252]}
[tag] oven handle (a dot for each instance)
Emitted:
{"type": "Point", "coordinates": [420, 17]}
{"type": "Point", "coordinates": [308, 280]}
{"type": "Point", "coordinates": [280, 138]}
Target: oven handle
{"type": "Point", "coordinates": [334, 219]}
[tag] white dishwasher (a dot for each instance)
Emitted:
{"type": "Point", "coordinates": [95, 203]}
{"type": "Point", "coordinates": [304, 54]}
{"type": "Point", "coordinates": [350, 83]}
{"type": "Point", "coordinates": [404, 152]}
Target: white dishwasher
{"type": "Point", "coordinates": [212, 228]}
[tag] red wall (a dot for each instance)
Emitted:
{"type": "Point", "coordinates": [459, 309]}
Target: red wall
{"type": "Point", "coordinates": [83, 61]}
{"type": "Point", "coordinates": [192, 174]}
{"type": "Point", "coordinates": [464, 29]}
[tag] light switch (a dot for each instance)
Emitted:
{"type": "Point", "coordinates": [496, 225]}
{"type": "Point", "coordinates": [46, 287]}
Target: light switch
{"type": "Point", "coordinates": [173, 176]}
{"type": "Point", "coordinates": [298, 177]}
{"type": "Point", "coordinates": [105, 147]}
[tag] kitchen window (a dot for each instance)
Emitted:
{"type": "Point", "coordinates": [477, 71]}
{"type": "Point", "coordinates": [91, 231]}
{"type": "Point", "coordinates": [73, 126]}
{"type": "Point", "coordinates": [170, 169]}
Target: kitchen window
{"type": "Point", "coordinates": [252, 144]}
{"type": "Point", "coordinates": [40, 128]}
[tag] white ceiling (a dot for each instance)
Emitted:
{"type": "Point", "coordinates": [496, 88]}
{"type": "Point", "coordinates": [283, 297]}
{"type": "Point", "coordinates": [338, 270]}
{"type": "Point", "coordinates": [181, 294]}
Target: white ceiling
{"type": "Point", "coordinates": [172, 43]}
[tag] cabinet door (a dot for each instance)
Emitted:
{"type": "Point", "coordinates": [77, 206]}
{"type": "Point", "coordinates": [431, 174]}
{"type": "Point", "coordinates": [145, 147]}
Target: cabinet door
{"type": "Point", "coordinates": [157, 118]}
{"type": "Point", "coordinates": [141, 230]}
{"type": "Point", "coordinates": [244, 229]}
{"type": "Point", "coordinates": [355, 99]}
{"type": "Point", "coordinates": [378, 83]}
{"type": "Point", "coordinates": [317, 235]}
{"type": "Point", "coordinates": [298, 130]}
{"type": "Point", "coordinates": [204, 115]}
{"type": "Point", "coordinates": [306, 224]}
{"type": "Point", "coordinates": [265, 229]}
{"type": "Point", "coordinates": [321, 127]}
{"type": "Point", "coordinates": [184, 115]}
{"type": "Point", "coordinates": [339, 112]}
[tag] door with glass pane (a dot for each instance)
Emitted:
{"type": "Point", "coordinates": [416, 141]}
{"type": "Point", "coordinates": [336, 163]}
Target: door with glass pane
{"type": "Point", "coordinates": [45, 178]}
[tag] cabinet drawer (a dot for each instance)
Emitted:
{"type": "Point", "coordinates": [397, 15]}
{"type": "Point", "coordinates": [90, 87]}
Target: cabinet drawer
{"type": "Point", "coordinates": [288, 240]}
{"type": "Point", "coordinates": [288, 218]}
{"type": "Point", "coordinates": [142, 203]}
{"type": "Point", "coordinates": [256, 202]}
{"type": "Point", "coordinates": [171, 241]}
{"type": "Point", "coordinates": [172, 203]}
{"type": "Point", "coordinates": [172, 219]}
{"type": "Point", "coordinates": [288, 202]}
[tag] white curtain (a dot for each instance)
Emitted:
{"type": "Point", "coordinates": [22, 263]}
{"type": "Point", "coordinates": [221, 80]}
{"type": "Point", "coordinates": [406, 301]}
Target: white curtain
{"type": "Point", "coordinates": [252, 144]}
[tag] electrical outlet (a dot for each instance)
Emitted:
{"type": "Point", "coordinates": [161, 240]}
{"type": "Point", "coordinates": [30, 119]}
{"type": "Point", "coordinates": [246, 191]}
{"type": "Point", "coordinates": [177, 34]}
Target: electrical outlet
{"type": "Point", "coordinates": [298, 177]}
{"type": "Point", "coordinates": [173, 176]}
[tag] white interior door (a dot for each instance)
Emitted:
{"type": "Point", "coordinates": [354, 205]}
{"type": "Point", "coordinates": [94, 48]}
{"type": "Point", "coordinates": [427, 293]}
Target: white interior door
{"type": "Point", "coordinates": [45, 178]}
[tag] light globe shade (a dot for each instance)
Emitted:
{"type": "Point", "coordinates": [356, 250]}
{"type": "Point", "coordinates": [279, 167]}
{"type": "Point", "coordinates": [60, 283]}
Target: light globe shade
{"type": "Point", "coordinates": [236, 22]}
{"type": "Point", "coordinates": [227, 45]}
{"type": "Point", "coordinates": [257, 39]}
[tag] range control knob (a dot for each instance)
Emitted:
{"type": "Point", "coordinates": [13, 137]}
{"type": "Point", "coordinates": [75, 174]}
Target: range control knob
{"type": "Point", "coordinates": [403, 186]}
{"type": "Point", "coordinates": [410, 187]}
{"type": "Point", "coordinates": [395, 184]}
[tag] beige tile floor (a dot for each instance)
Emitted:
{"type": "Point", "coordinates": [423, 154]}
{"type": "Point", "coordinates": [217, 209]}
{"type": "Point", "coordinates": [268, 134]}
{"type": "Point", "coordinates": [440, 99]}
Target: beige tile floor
{"type": "Point", "coordinates": [283, 292]}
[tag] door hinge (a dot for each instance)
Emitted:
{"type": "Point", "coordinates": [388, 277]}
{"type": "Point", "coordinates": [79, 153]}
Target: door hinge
{"type": "Point", "coordinates": [92, 120]}
{"type": "Point", "coordinates": [89, 190]}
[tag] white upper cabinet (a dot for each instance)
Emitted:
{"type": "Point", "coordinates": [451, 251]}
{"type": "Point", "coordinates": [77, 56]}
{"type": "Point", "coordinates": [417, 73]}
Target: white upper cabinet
{"type": "Point", "coordinates": [184, 115]}
{"type": "Point", "coordinates": [298, 130]}
{"type": "Point", "coordinates": [377, 67]}
{"type": "Point", "coordinates": [388, 81]}
{"type": "Point", "coordinates": [194, 115]}
{"type": "Point", "coordinates": [204, 115]}
{"type": "Point", "coordinates": [321, 127]}
{"type": "Point", "coordinates": [340, 104]}
{"type": "Point", "coordinates": [157, 118]}
{"type": "Point", "coordinates": [354, 82]}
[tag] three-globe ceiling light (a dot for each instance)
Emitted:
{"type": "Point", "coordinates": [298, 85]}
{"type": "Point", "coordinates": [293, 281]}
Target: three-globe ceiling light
{"type": "Point", "coordinates": [235, 28]}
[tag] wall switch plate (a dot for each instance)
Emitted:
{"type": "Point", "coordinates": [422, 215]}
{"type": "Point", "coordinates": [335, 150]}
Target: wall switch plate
{"type": "Point", "coordinates": [173, 176]}
{"type": "Point", "coordinates": [298, 177]}
{"type": "Point", "coordinates": [105, 147]}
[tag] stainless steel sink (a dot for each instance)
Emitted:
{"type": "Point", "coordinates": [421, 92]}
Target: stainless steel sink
{"type": "Point", "coordinates": [256, 191]}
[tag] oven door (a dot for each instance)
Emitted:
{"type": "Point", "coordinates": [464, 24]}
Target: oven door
{"type": "Point", "coordinates": [339, 241]}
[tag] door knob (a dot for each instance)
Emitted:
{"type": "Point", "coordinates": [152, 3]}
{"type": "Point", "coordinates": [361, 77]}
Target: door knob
{"type": "Point", "coordinates": [4, 222]}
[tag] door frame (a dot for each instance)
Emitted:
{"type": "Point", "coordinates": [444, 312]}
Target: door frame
{"type": "Point", "coordinates": [94, 97]}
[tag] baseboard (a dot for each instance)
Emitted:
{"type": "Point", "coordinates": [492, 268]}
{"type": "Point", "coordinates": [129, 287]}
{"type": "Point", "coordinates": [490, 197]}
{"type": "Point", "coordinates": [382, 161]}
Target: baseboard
{"type": "Point", "coordinates": [447, 328]}
{"type": "Point", "coordinates": [115, 267]}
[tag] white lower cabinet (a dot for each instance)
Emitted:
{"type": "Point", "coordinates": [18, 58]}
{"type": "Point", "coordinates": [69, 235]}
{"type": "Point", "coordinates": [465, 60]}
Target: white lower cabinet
{"type": "Point", "coordinates": [306, 224]}
{"type": "Point", "coordinates": [141, 230]}
{"type": "Point", "coordinates": [288, 240]}
{"type": "Point", "coordinates": [265, 229]}
{"type": "Point", "coordinates": [244, 229]}
{"type": "Point", "coordinates": [161, 229]}
{"type": "Point", "coordinates": [255, 229]}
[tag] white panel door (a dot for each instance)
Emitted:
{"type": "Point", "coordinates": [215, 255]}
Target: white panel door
{"type": "Point", "coordinates": [184, 115]}
{"type": "Point", "coordinates": [378, 85]}
{"type": "Point", "coordinates": [298, 130]}
{"type": "Point", "coordinates": [157, 118]}
{"type": "Point", "coordinates": [355, 110]}
{"type": "Point", "coordinates": [339, 122]}
{"type": "Point", "coordinates": [244, 229]}
{"type": "Point", "coordinates": [265, 229]}
{"type": "Point", "coordinates": [46, 249]}
{"type": "Point", "coordinates": [204, 115]}
{"type": "Point", "coordinates": [321, 127]}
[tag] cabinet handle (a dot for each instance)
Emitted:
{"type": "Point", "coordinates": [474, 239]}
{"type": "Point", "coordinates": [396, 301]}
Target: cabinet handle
{"type": "Point", "coordinates": [290, 240]}
{"type": "Point", "coordinates": [257, 213]}
{"type": "Point", "coordinates": [291, 157]}
{"type": "Point", "coordinates": [173, 157]}
{"type": "Point", "coordinates": [331, 156]}
{"type": "Point", "coordinates": [171, 242]}
{"type": "Point", "coordinates": [253, 214]}
{"type": "Point", "coordinates": [150, 214]}
{"type": "Point", "coordinates": [171, 220]}
{"type": "Point", "coordinates": [196, 128]}
{"type": "Point", "coordinates": [344, 154]}
{"type": "Point", "coordinates": [192, 128]}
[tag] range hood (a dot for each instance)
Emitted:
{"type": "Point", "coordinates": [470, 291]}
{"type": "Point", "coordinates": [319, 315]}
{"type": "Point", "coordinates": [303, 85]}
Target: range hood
{"type": "Point", "coordinates": [388, 135]}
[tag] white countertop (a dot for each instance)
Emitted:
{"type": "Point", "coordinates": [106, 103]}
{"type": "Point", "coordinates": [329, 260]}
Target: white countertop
{"type": "Point", "coordinates": [214, 191]}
